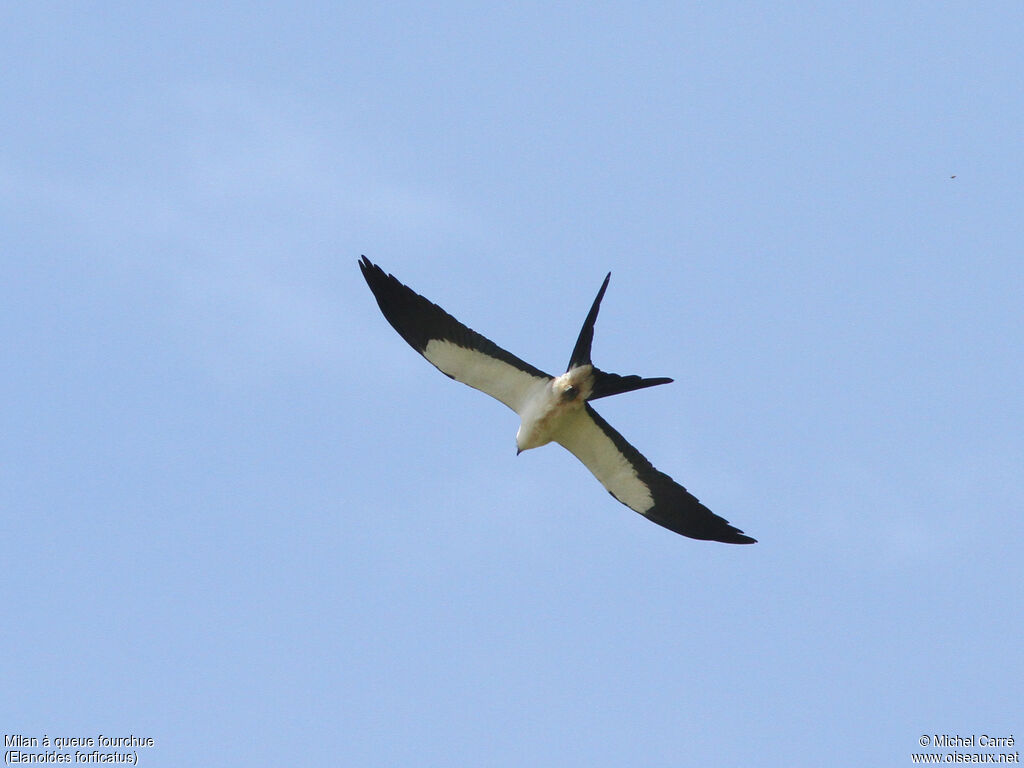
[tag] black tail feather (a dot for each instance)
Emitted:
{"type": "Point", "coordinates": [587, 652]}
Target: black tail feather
{"type": "Point", "coordinates": [581, 352]}
{"type": "Point", "coordinates": [606, 384]}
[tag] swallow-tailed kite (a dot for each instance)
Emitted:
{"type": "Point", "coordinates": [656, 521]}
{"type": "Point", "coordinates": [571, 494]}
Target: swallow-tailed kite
{"type": "Point", "coordinates": [551, 408]}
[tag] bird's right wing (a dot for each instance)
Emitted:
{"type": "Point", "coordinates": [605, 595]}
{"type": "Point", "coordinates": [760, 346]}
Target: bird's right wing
{"type": "Point", "coordinates": [457, 351]}
{"type": "Point", "coordinates": [631, 479]}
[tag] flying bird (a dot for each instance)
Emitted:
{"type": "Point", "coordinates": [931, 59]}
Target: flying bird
{"type": "Point", "coordinates": [552, 408]}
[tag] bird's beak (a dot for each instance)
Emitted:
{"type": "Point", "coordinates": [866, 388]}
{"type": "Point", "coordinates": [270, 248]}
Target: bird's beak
{"type": "Point", "coordinates": [518, 450]}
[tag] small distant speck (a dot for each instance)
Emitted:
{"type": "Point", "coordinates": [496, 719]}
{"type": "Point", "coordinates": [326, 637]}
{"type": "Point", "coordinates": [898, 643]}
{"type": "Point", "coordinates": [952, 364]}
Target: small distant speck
{"type": "Point", "coordinates": [953, 176]}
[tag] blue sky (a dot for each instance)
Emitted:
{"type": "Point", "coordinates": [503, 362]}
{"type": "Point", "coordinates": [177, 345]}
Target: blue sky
{"type": "Point", "coordinates": [242, 517]}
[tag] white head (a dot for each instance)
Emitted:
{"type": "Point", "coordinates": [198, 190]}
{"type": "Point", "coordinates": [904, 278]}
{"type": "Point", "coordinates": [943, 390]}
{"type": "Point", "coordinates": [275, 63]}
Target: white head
{"type": "Point", "coordinates": [544, 412]}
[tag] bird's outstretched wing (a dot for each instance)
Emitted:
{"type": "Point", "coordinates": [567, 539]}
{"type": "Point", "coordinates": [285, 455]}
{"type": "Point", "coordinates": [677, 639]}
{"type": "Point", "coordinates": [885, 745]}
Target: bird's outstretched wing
{"type": "Point", "coordinates": [631, 479]}
{"type": "Point", "coordinates": [455, 350]}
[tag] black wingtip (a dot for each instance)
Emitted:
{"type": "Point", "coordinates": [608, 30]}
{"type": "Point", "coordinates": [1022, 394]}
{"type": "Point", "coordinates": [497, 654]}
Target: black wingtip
{"type": "Point", "coordinates": [739, 538]}
{"type": "Point", "coordinates": [720, 530]}
{"type": "Point", "coordinates": [370, 270]}
{"type": "Point", "coordinates": [406, 311]}
{"type": "Point", "coordinates": [716, 528]}
{"type": "Point", "coordinates": [710, 528]}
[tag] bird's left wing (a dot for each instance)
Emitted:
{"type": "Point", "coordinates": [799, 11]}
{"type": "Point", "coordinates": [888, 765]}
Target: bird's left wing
{"type": "Point", "coordinates": [631, 479]}
{"type": "Point", "coordinates": [455, 350]}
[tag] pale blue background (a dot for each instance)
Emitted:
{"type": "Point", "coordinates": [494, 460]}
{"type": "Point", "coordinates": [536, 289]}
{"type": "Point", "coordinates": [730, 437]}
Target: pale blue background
{"type": "Point", "coordinates": [241, 516]}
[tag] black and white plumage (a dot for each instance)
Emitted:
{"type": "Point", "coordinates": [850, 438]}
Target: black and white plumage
{"type": "Point", "coordinates": [551, 408]}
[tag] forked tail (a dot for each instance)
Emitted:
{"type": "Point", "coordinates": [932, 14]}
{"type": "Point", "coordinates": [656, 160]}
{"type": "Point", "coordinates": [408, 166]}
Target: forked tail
{"type": "Point", "coordinates": [605, 384]}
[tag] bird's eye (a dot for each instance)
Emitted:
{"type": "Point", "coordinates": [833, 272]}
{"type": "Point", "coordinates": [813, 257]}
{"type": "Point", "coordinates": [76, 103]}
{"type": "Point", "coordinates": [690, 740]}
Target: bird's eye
{"type": "Point", "coordinates": [570, 392]}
